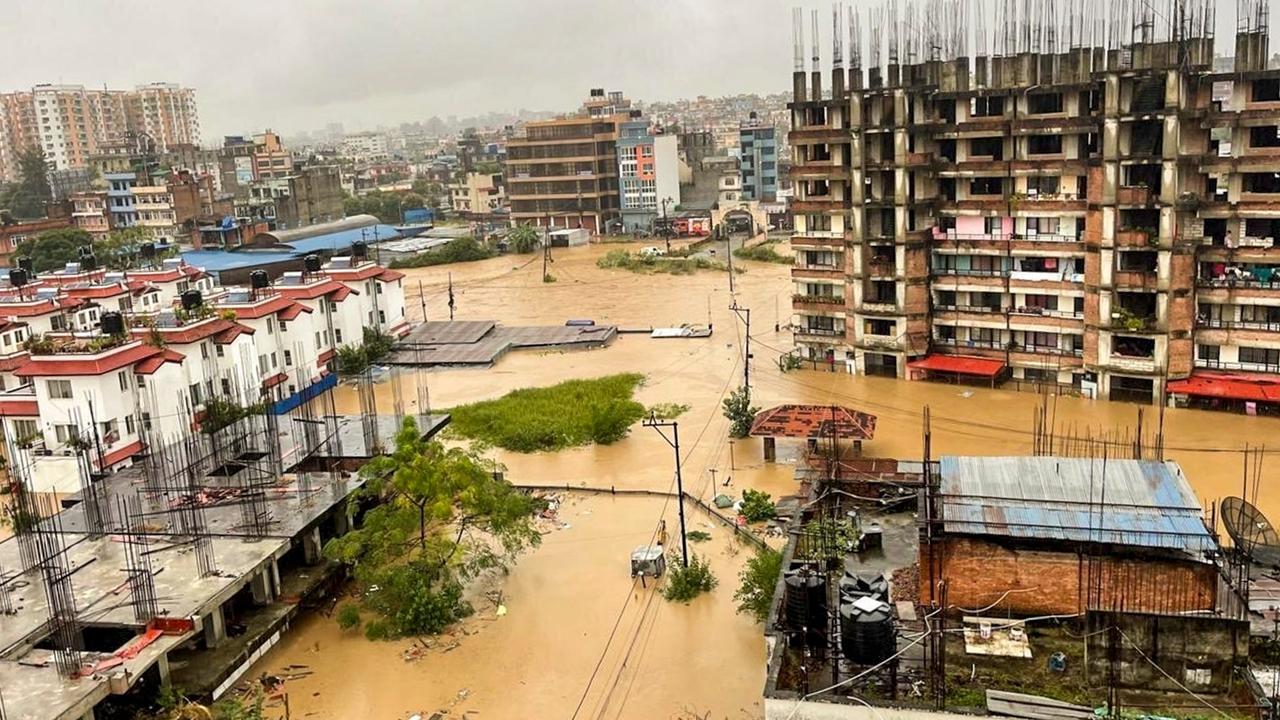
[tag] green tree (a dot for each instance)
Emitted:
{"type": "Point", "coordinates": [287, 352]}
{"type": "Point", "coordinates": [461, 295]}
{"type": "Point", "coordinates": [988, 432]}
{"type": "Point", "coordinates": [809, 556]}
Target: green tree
{"type": "Point", "coordinates": [757, 506]}
{"type": "Point", "coordinates": [758, 580]}
{"type": "Point", "coordinates": [524, 239]}
{"type": "Point", "coordinates": [444, 517]}
{"type": "Point", "coordinates": [28, 197]}
{"type": "Point", "coordinates": [119, 249]}
{"type": "Point", "coordinates": [52, 249]}
{"type": "Point", "coordinates": [740, 411]}
{"type": "Point", "coordinates": [687, 583]}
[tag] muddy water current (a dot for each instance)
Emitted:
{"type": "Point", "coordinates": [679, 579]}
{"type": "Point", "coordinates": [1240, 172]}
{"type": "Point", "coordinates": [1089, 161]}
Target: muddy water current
{"type": "Point", "coordinates": [564, 599]}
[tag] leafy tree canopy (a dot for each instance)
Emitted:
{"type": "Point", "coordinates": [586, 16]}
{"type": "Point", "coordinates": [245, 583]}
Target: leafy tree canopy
{"type": "Point", "coordinates": [27, 198]}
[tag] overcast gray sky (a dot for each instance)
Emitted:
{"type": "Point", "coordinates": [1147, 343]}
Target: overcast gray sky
{"type": "Point", "coordinates": [299, 64]}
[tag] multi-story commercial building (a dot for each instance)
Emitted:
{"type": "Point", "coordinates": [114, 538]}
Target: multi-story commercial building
{"type": "Point", "coordinates": [155, 211]}
{"type": "Point", "coordinates": [648, 175]}
{"type": "Point", "coordinates": [1092, 219]}
{"type": "Point", "coordinates": [70, 123]}
{"type": "Point", "coordinates": [365, 147]}
{"type": "Point", "coordinates": [310, 195]}
{"type": "Point", "coordinates": [270, 158]}
{"type": "Point", "coordinates": [89, 213]}
{"type": "Point", "coordinates": [758, 154]}
{"type": "Point", "coordinates": [564, 172]}
{"type": "Point", "coordinates": [480, 193]}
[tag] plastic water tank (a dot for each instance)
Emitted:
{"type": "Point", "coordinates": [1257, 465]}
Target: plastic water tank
{"type": "Point", "coordinates": [866, 631]}
{"type": "Point", "coordinates": [806, 604]}
{"type": "Point", "coordinates": [192, 299]}
{"type": "Point", "coordinates": [258, 279]}
{"type": "Point", "coordinates": [112, 323]}
{"type": "Point", "coordinates": [856, 585]}
{"type": "Point", "coordinates": [311, 263]}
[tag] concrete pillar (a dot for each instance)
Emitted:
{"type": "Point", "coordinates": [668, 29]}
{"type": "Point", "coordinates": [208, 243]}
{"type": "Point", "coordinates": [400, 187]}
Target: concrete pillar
{"type": "Point", "coordinates": [162, 667]}
{"type": "Point", "coordinates": [311, 546]}
{"type": "Point", "coordinates": [260, 587]}
{"type": "Point", "coordinates": [275, 579]}
{"type": "Point", "coordinates": [341, 522]}
{"type": "Point", "coordinates": [215, 628]}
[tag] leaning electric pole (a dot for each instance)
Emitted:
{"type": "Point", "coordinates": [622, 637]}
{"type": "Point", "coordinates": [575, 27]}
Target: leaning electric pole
{"type": "Point", "coordinates": [744, 314]}
{"type": "Point", "coordinates": [674, 442]}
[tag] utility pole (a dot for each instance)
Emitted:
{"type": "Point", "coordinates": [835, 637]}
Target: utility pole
{"type": "Point", "coordinates": [744, 314]}
{"type": "Point", "coordinates": [674, 442]}
{"type": "Point", "coordinates": [728, 252]}
{"type": "Point", "coordinates": [422, 298]}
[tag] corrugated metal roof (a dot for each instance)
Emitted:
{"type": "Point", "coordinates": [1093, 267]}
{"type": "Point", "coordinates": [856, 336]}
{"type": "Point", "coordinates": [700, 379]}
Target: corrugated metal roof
{"type": "Point", "coordinates": [1142, 503]}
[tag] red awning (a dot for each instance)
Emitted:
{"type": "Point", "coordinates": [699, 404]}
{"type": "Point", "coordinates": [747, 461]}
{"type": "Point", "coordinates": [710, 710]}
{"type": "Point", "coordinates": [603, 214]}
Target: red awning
{"type": "Point", "coordinates": [274, 380]}
{"type": "Point", "coordinates": [1228, 386]}
{"type": "Point", "coordinates": [958, 364]}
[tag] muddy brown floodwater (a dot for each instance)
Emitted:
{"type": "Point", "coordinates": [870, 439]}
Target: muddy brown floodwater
{"type": "Point", "coordinates": [564, 598]}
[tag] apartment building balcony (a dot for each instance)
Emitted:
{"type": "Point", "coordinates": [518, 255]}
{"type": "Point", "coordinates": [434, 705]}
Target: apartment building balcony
{"type": "Point", "coordinates": [818, 135]}
{"type": "Point", "coordinates": [1235, 332]}
{"type": "Point", "coordinates": [827, 305]}
{"type": "Point", "coordinates": [1130, 364]}
{"type": "Point", "coordinates": [919, 159]}
{"type": "Point", "coordinates": [1056, 125]}
{"type": "Point", "coordinates": [825, 336]}
{"type": "Point", "coordinates": [996, 243]}
{"type": "Point", "coordinates": [817, 238]}
{"type": "Point", "coordinates": [879, 268]}
{"type": "Point", "coordinates": [1227, 290]}
{"type": "Point", "coordinates": [818, 170]}
{"type": "Point", "coordinates": [1136, 238]}
{"type": "Point", "coordinates": [1237, 366]}
{"type": "Point", "coordinates": [1258, 160]}
{"type": "Point", "coordinates": [880, 342]}
{"type": "Point", "coordinates": [1138, 195]}
{"type": "Point", "coordinates": [969, 316]}
{"type": "Point", "coordinates": [877, 307]}
{"type": "Point", "coordinates": [821, 203]}
{"type": "Point", "coordinates": [1040, 203]}
{"type": "Point", "coordinates": [1250, 249]}
{"type": "Point", "coordinates": [982, 205]}
{"type": "Point", "coordinates": [817, 272]}
{"type": "Point", "coordinates": [1136, 280]}
{"type": "Point", "coordinates": [1034, 319]}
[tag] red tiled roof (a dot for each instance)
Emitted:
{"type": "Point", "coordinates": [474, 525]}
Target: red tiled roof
{"type": "Point", "coordinates": [82, 364]}
{"type": "Point", "coordinates": [120, 455]}
{"type": "Point", "coordinates": [19, 407]}
{"type": "Point", "coordinates": [293, 311]}
{"type": "Point", "coordinates": [61, 279]}
{"type": "Point", "coordinates": [275, 304]}
{"type": "Point", "coordinates": [388, 275]}
{"type": "Point", "coordinates": [326, 356]}
{"type": "Point", "coordinates": [38, 308]}
{"type": "Point", "coordinates": [155, 362]}
{"type": "Point", "coordinates": [96, 291]}
{"type": "Point", "coordinates": [402, 329]}
{"type": "Point", "coordinates": [814, 421]}
{"type": "Point", "coordinates": [195, 332]}
{"type": "Point", "coordinates": [13, 362]}
{"type": "Point", "coordinates": [1228, 386]}
{"type": "Point", "coordinates": [958, 364]}
{"type": "Point", "coordinates": [274, 380]}
{"type": "Point", "coordinates": [364, 272]}
{"type": "Point", "coordinates": [315, 290]}
{"type": "Point", "coordinates": [229, 335]}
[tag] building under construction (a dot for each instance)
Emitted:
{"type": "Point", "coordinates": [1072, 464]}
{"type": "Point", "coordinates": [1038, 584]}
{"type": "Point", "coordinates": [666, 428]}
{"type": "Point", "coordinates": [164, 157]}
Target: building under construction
{"type": "Point", "coordinates": [1062, 193]}
{"type": "Point", "coordinates": [185, 567]}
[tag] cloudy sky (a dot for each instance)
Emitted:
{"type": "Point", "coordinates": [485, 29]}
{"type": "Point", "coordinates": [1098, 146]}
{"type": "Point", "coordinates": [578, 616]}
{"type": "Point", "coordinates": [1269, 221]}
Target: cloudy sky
{"type": "Point", "coordinates": [299, 64]}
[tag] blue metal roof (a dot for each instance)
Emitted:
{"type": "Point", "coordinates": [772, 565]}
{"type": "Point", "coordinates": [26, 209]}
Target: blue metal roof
{"type": "Point", "coordinates": [338, 242]}
{"type": "Point", "coordinates": [1141, 503]}
{"type": "Point", "coordinates": [216, 261]}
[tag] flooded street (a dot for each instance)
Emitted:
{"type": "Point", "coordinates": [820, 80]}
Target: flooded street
{"type": "Point", "coordinates": [564, 598]}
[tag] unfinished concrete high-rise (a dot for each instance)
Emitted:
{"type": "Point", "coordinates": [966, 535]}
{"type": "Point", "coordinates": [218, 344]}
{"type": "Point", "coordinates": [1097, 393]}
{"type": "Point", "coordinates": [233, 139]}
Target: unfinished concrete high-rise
{"type": "Point", "coordinates": [1074, 198]}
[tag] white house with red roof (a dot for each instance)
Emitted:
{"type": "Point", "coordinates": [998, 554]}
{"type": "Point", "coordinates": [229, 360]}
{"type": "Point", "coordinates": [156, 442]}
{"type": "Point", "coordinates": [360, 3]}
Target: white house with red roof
{"type": "Point", "coordinates": [288, 342]}
{"type": "Point", "coordinates": [381, 290]}
{"type": "Point", "coordinates": [86, 393]}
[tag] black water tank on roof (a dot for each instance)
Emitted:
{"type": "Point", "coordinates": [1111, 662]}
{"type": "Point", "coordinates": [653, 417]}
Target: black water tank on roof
{"type": "Point", "coordinates": [359, 249]}
{"type": "Point", "coordinates": [17, 277]}
{"type": "Point", "coordinates": [258, 279]}
{"type": "Point", "coordinates": [311, 263]}
{"type": "Point", "coordinates": [88, 262]}
{"type": "Point", "coordinates": [866, 632]}
{"type": "Point", "coordinates": [147, 250]}
{"type": "Point", "coordinates": [112, 323]}
{"type": "Point", "coordinates": [192, 299]}
{"type": "Point", "coordinates": [26, 263]}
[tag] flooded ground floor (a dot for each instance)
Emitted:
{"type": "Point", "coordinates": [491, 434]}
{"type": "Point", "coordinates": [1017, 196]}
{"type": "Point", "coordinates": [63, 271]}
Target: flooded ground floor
{"type": "Point", "coordinates": [564, 598]}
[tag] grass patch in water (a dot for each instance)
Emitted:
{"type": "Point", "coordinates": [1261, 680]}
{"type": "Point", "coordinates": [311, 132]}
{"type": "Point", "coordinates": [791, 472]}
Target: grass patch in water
{"type": "Point", "coordinates": [652, 264]}
{"type": "Point", "coordinates": [764, 252]}
{"type": "Point", "coordinates": [572, 413]}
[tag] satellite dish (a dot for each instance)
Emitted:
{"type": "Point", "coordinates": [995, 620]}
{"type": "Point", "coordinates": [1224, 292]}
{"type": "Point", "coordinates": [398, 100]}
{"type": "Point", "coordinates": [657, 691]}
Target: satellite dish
{"type": "Point", "coordinates": [1250, 530]}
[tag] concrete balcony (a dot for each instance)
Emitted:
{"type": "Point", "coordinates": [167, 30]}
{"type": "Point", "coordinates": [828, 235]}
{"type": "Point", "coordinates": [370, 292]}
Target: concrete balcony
{"type": "Point", "coordinates": [1135, 238]}
{"type": "Point", "coordinates": [825, 305]}
{"type": "Point", "coordinates": [1128, 363]}
{"type": "Point", "coordinates": [817, 239]}
{"type": "Point", "coordinates": [1134, 195]}
{"type": "Point", "coordinates": [817, 272]}
{"type": "Point", "coordinates": [1140, 280]}
{"type": "Point", "coordinates": [879, 308]}
{"type": "Point", "coordinates": [819, 335]}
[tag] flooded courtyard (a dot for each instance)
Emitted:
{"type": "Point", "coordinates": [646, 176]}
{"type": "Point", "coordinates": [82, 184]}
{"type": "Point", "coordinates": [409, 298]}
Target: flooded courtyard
{"type": "Point", "coordinates": [565, 599]}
